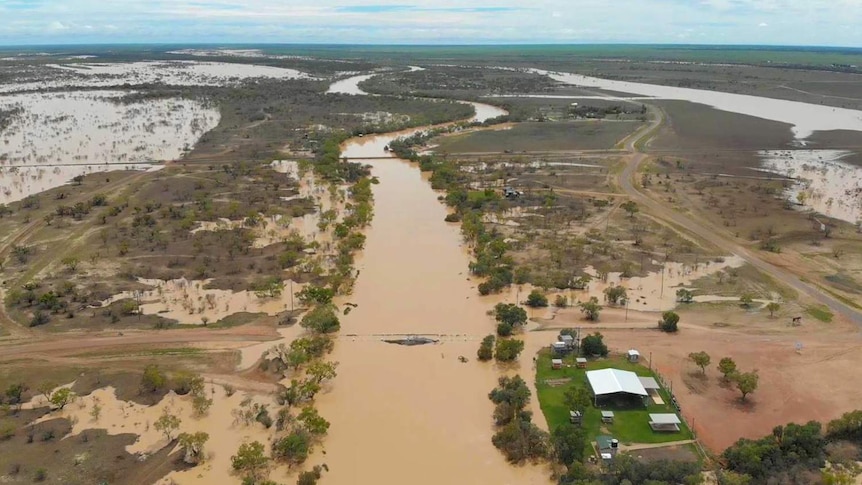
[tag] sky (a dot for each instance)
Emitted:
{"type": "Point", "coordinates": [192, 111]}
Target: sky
{"type": "Point", "coordinates": [768, 22]}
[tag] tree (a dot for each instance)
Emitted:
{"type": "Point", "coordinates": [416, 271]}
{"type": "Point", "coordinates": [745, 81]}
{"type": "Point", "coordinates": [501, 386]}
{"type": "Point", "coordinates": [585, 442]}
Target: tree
{"type": "Point", "coordinates": [510, 314]}
{"type": "Point", "coordinates": [250, 460]}
{"type": "Point", "coordinates": [270, 287]}
{"type": "Point", "coordinates": [508, 349]}
{"type": "Point", "coordinates": [684, 296]}
{"type": "Point", "coordinates": [62, 396]}
{"type": "Point", "coordinates": [486, 348]}
{"type": "Point", "coordinates": [727, 367]}
{"type": "Point", "coordinates": [537, 299]}
{"type": "Point", "coordinates": [594, 345]}
{"type": "Point", "coordinates": [15, 392]}
{"type": "Point", "coordinates": [192, 445]}
{"type": "Point", "coordinates": [591, 308]}
{"type": "Point", "coordinates": [511, 390]}
{"type": "Point", "coordinates": [322, 319]}
{"type": "Point", "coordinates": [71, 263]}
{"type": "Point", "coordinates": [568, 443]}
{"type": "Point", "coordinates": [746, 300]}
{"type": "Point", "coordinates": [188, 383]}
{"type": "Point", "coordinates": [292, 448]}
{"type": "Point", "coordinates": [504, 330]}
{"type": "Point", "coordinates": [577, 398]}
{"type": "Point", "coordinates": [201, 404]}
{"type": "Point", "coordinates": [153, 378]}
{"type": "Point", "coordinates": [701, 359]}
{"type": "Point", "coordinates": [313, 422]}
{"type": "Point", "coordinates": [631, 207]}
{"type": "Point", "coordinates": [521, 440]}
{"type": "Point", "coordinates": [615, 294]}
{"type": "Point", "coordinates": [669, 322]}
{"type": "Point", "coordinates": [746, 382]}
{"type": "Point", "coordinates": [311, 295]}
{"type": "Point", "coordinates": [167, 424]}
{"type": "Point", "coordinates": [318, 371]}
{"type": "Point", "coordinates": [46, 388]}
{"type": "Point", "coordinates": [772, 307]}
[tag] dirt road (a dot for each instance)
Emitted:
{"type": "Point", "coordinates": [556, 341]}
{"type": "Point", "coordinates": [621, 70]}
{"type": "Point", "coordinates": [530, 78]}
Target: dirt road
{"type": "Point", "coordinates": [708, 232]}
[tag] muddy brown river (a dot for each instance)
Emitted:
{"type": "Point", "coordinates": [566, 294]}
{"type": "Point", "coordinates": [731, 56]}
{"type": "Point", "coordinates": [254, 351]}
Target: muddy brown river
{"type": "Point", "coordinates": [413, 414]}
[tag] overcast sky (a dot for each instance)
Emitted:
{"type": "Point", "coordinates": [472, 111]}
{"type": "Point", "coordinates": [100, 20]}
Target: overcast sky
{"type": "Point", "coordinates": [784, 22]}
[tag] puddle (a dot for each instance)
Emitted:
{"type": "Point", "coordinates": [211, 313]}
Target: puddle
{"type": "Point", "coordinates": [823, 182]}
{"type": "Point", "coordinates": [175, 73]}
{"type": "Point", "coordinates": [189, 302]}
{"type": "Point", "coordinates": [806, 118]}
{"type": "Point", "coordinates": [57, 136]}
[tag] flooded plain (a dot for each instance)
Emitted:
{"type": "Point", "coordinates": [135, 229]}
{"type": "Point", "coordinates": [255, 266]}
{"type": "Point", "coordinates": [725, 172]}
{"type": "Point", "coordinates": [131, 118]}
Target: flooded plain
{"type": "Point", "coordinates": [175, 73]}
{"type": "Point", "coordinates": [55, 136]}
{"type": "Point", "coordinates": [824, 183]}
{"type": "Point", "coordinates": [806, 118]}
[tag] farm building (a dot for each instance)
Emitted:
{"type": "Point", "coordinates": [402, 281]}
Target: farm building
{"type": "Point", "coordinates": [633, 355]}
{"type": "Point", "coordinates": [664, 422]}
{"type": "Point", "coordinates": [615, 384]}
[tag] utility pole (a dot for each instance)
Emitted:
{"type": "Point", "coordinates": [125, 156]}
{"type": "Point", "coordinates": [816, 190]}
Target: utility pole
{"type": "Point", "coordinates": [291, 298]}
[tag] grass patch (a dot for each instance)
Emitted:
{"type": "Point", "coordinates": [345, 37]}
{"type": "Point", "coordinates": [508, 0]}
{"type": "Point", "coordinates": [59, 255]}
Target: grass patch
{"type": "Point", "coordinates": [820, 312]}
{"type": "Point", "coordinates": [631, 425]}
{"type": "Point", "coordinates": [182, 351]}
{"type": "Point", "coordinates": [534, 136]}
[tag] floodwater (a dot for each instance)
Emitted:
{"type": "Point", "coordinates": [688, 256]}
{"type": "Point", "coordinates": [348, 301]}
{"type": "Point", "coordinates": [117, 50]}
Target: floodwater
{"type": "Point", "coordinates": [189, 302]}
{"type": "Point", "coordinates": [175, 73]}
{"type": "Point", "coordinates": [56, 136]}
{"type": "Point", "coordinates": [824, 183]}
{"type": "Point", "coordinates": [349, 85]}
{"type": "Point", "coordinates": [806, 118]}
{"type": "Point", "coordinates": [420, 412]}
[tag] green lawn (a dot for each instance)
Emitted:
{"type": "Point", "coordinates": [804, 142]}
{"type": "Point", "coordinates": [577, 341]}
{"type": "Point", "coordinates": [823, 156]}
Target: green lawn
{"type": "Point", "coordinates": [631, 425]}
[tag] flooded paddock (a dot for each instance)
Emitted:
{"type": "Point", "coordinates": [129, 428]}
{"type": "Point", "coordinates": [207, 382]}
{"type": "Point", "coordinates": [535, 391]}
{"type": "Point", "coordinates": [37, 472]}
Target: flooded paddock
{"type": "Point", "coordinates": [824, 183]}
{"type": "Point", "coordinates": [54, 137]}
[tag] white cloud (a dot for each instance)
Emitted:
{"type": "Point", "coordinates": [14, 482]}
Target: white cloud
{"type": "Point", "coordinates": [763, 24]}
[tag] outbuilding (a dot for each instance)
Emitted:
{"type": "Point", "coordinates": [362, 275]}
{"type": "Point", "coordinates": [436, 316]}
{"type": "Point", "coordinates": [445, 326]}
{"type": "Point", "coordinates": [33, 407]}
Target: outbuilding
{"type": "Point", "coordinates": [613, 383]}
{"type": "Point", "coordinates": [664, 422]}
{"type": "Point", "coordinates": [633, 355]}
{"type": "Point", "coordinates": [556, 363]}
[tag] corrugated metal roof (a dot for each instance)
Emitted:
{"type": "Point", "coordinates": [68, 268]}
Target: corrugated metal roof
{"type": "Point", "coordinates": [612, 381]}
{"type": "Point", "coordinates": [649, 382]}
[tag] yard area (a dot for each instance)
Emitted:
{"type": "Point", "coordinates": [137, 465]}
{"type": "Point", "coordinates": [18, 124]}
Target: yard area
{"type": "Point", "coordinates": [631, 425]}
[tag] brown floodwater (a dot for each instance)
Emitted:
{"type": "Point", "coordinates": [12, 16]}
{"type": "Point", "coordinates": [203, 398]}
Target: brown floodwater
{"type": "Point", "coordinates": [413, 414]}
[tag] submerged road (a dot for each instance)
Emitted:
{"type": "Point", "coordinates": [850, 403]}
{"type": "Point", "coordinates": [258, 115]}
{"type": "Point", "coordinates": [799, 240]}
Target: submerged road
{"type": "Point", "coordinates": [708, 232]}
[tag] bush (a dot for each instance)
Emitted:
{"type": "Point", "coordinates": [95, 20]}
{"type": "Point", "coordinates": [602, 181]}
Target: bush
{"type": "Point", "coordinates": [504, 330]}
{"type": "Point", "coordinates": [41, 475]}
{"type": "Point", "coordinates": [453, 217]}
{"type": "Point", "coordinates": [510, 314]}
{"type": "Point", "coordinates": [486, 348]}
{"type": "Point", "coordinates": [521, 441]}
{"type": "Point", "coordinates": [39, 318]}
{"type": "Point", "coordinates": [537, 299]}
{"type": "Point", "coordinates": [322, 319]}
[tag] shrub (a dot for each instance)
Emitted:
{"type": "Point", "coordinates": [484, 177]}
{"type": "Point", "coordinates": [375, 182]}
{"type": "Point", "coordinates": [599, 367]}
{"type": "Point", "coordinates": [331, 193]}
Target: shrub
{"type": "Point", "coordinates": [486, 348]}
{"type": "Point", "coordinates": [508, 349]}
{"type": "Point", "coordinates": [594, 345]}
{"type": "Point", "coordinates": [537, 299]}
{"type": "Point", "coordinates": [669, 322]}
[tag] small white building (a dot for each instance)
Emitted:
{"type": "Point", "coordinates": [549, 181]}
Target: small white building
{"type": "Point", "coordinates": [633, 355]}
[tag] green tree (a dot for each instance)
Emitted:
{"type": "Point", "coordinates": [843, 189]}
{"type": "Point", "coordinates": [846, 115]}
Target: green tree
{"type": "Point", "coordinates": [293, 448]}
{"type": "Point", "coordinates": [510, 314]}
{"type": "Point", "coordinates": [71, 263]}
{"type": "Point", "coordinates": [322, 319]}
{"type": "Point", "coordinates": [537, 299]}
{"type": "Point", "coordinates": [312, 421]}
{"type": "Point", "coordinates": [153, 379]}
{"type": "Point", "coordinates": [701, 359]}
{"type": "Point", "coordinates": [250, 461]}
{"type": "Point", "coordinates": [486, 348]}
{"type": "Point", "coordinates": [508, 349]}
{"type": "Point", "coordinates": [319, 371]}
{"type": "Point", "coordinates": [727, 367]}
{"type": "Point", "coordinates": [192, 445]}
{"type": "Point", "coordinates": [684, 296]}
{"type": "Point", "coordinates": [316, 295]}
{"type": "Point", "coordinates": [167, 424]}
{"type": "Point", "coordinates": [561, 301]}
{"type": "Point", "coordinates": [62, 396]}
{"type": "Point", "coordinates": [631, 207]}
{"type": "Point", "coordinates": [521, 440]}
{"type": "Point", "coordinates": [577, 398]}
{"type": "Point", "coordinates": [615, 294]}
{"type": "Point", "coordinates": [746, 382]}
{"type": "Point", "coordinates": [669, 322]}
{"type": "Point", "coordinates": [569, 443]}
{"type": "Point", "coordinates": [310, 477]}
{"type": "Point", "coordinates": [201, 404]}
{"type": "Point", "coordinates": [773, 307]}
{"type": "Point", "coordinates": [512, 390]}
{"type": "Point", "coordinates": [46, 388]}
{"type": "Point", "coordinates": [746, 300]}
{"type": "Point", "coordinates": [594, 345]}
{"type": "Point", "coordinates": [15, 391]}
{"type": "Point", "coordinates": [269, 287]}
{"type": "Point", "coordinates": [591, 308]}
